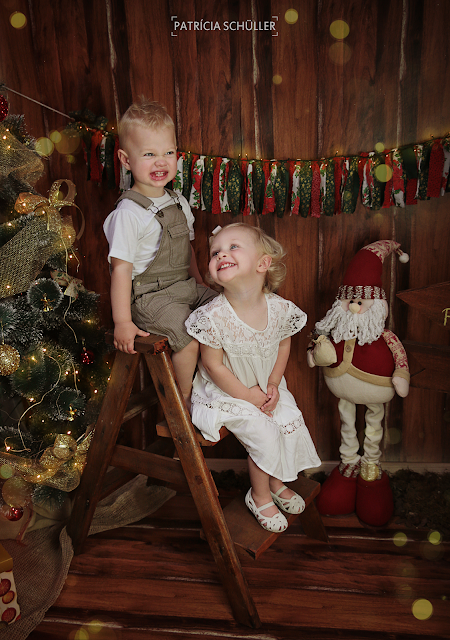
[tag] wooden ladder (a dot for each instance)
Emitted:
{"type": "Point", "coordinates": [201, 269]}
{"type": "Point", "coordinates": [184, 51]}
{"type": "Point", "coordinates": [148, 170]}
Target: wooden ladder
{"type": "Point", "coordinates": [188, 470]}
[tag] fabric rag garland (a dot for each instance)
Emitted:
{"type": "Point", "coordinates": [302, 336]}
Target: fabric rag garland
{"type": "Point", "coordinates": [329, 186]}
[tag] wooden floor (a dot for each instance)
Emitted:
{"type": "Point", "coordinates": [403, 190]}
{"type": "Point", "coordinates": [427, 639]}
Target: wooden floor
{"type": "Point", "coordinates": [157, 579]}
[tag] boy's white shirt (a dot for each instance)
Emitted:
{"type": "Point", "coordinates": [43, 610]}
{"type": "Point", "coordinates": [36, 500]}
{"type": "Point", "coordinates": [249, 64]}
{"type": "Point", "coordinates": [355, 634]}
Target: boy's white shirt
{"type": "Point", "coordinates": [134, 235]}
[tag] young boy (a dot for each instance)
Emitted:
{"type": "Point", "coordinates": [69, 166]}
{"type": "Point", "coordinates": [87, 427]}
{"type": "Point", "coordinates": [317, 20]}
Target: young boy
{"type": "Point", "coordinates": [155, 282]}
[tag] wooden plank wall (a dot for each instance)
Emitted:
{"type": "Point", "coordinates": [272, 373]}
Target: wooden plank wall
{"type": "Point", "coordinates": [393, 88]}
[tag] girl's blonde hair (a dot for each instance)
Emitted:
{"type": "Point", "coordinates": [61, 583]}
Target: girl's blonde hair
{"type": "Point", "coordinates": [146, 113]}
{"type": "Point", "coordinates": [276, 273]}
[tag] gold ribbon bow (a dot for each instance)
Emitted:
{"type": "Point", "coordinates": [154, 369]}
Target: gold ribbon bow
{"type": "Point", "coordinates": [30, 202]}
{"type": "Point", "coordinates": [48, 233]}
{"type": "Point", "coordinates": [60, 466]}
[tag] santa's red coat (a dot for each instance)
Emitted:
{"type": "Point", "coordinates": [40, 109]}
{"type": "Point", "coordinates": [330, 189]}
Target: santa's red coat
{"type": "Point", "coordinates": [375, 358]}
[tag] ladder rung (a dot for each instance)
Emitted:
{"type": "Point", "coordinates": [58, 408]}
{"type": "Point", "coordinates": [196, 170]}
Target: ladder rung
{"type": "Point", "coordinates": [151, 344]}
{"type": "Point", "coordinates": [149, 464]}
{"type": "Point", "coordinates": [162, 429]}
{"type": "Point", "coordinates": [139, 402]}
{"type": "Point", "coordinates": [244, 529]}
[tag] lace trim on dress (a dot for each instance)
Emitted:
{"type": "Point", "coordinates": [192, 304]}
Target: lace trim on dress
{"type": "Point", "coordinates": [236, 410]}
{"type": "Point", "coordinates": [217, 326]}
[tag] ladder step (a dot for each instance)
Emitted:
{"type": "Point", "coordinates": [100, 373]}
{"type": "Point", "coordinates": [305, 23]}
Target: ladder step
{"type": "Point", "coordinates": [162, 429]}
{"type": "Point", "coordinates": [244, 529]}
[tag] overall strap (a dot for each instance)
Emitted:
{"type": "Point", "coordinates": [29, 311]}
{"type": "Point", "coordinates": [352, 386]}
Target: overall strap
{"type": "Point", "coordinates": [173, 194]}
{"type": "Point", "coordinates": [147, 203]}
{"type": "Point", "coordinates": [141, 200]}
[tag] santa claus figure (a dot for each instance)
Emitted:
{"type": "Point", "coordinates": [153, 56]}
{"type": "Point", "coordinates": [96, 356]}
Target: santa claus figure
{"type": "Point", "coordinates": [363, 363]}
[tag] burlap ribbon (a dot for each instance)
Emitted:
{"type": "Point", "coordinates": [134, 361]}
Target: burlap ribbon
{"type": "Point", "coordinates": [47, 233]}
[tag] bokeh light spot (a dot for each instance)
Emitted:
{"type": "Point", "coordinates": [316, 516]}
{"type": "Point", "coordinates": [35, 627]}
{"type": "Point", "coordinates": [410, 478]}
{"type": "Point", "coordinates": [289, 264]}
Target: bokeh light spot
{"type": "Point", "coordinates": [404, 592]}
{"type": "Point", "coordinates": [55, 136]}
{"type": "Point", "coordinates": [95, 626]}
{"type": "Point", "coordinates": [379, 147]}
{"type": "Point", "coordinates": [434, 537]}
{"type": "Point", "coordinates": [71, 159]}
{"type": "Point", "coordinates": [277, 79]}
{"type": "Point", "coordinates": [18, 20]}
{"type": "Point", "coordinates": [394, 435]}
{"type": "Point", "coordinates": [383, 173]}
{"type": "Point", "coordinates": [408, 570]}
{"type": "Point", "coordinates": [68, 144]}
{"type": "Point", "coordinates": [6, 471]}
{"type": "Point", "coordinates": [431, 551]}
{"type": "Point", "coordinates": [400, 539]}
{"type": "Point", "coordinates": [422, 609]}
{"type": "Point", "coordinates": [16, 492]}
{"type": "Point", "coordinates": [81, 634]}
{"type": "Point", "coordinates": [339, 29]}
{"type": "Point", "coordinates": [291, 16]}
{"type": "Point", "coordinates": [44, 146]}
{"type": "Point", "coordinates": [339, 53]}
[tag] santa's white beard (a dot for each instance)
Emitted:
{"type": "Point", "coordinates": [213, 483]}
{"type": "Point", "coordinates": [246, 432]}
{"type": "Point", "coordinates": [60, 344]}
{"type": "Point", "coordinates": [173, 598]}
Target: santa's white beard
{"type": "Point", "coordinates": [345, 325]}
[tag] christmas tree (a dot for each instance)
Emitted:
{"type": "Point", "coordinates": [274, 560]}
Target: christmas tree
{"type": "Point", "coordinates": [52, 365]}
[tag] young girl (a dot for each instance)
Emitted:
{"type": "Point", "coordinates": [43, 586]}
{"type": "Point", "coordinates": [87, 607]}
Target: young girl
{"type": "Point", "coordinates": [245, 335]}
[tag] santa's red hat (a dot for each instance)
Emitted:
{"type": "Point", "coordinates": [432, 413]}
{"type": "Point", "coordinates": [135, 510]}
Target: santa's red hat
{"type": "Point", "coordinates": [363, 276]}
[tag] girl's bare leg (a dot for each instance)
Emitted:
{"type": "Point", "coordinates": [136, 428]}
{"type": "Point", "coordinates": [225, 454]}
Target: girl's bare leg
{"type": "Point", "coordinates": [260, 488]}
{"type": "Point", "coordinates": [276, 484]}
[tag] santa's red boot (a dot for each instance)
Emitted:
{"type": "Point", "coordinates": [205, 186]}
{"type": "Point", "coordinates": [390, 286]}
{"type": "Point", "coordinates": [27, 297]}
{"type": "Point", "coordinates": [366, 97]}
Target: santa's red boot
{"type": "Point", "coordinates": [337, 496]}
{"type": "Point", "coordinates": [374, 499]}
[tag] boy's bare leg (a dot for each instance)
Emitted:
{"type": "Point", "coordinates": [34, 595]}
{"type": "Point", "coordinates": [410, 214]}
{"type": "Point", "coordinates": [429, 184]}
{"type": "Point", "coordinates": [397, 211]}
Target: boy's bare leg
{"type": "Point", "coordinates": [184, 363]}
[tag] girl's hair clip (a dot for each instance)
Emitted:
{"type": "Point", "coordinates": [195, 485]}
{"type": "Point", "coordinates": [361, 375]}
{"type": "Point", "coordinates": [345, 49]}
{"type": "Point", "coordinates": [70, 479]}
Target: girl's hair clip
{"type": "Point", "coordinates": [215, 231]}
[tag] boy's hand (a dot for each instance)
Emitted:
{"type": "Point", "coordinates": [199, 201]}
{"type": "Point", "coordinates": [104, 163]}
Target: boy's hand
{"type": "Point", "coordinates": [273, 396]}
{"type": "Point", "coordinates": [257, 396]}
{"type": "Point", "coordinates": [124, 335]}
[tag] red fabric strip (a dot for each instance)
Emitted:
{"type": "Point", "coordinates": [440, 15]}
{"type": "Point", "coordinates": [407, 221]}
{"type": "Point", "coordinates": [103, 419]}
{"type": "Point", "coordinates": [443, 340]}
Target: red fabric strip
{"type": "Point", "coordinates": [269, 200]}
{"type": "Point", "coordinates": [437, 159]}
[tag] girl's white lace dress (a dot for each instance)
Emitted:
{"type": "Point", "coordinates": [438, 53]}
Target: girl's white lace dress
{"type": "Point", "coordinates": [280, 445]}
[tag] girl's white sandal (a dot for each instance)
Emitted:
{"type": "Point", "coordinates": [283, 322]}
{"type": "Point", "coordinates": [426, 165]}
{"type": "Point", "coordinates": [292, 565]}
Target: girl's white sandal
{"type": "Point", "coordinates": [296, 504]}
{"type": "Point", "coordinates": [275, 524]}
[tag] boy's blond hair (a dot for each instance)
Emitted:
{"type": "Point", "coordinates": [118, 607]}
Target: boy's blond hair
{"type": "Point", "coordinates": [276, 273]}
{"type": "Point", "coordinates": [145, 113]}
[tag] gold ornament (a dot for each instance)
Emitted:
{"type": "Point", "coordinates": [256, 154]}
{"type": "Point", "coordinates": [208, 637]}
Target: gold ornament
{"type": "Point", "coordinates": [9, 359]}
{"type": "Point", "coordinates": [47, 305]}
